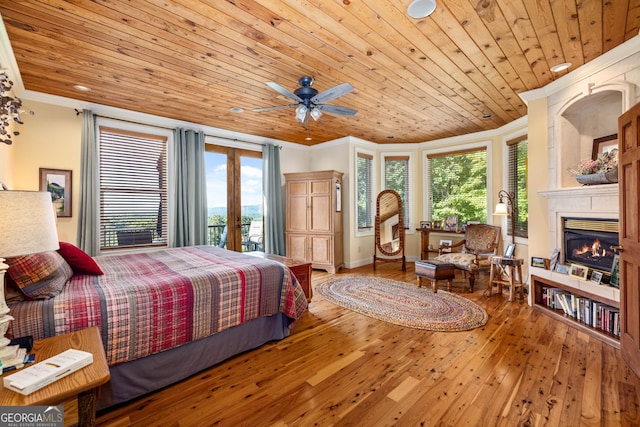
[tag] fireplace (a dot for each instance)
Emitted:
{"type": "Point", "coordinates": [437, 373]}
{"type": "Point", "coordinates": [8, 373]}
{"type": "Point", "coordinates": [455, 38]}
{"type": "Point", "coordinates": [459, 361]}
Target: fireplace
{"type": "Point", "coordinates": [590, 242]}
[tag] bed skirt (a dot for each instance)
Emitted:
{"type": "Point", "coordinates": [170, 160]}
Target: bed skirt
{"type": "Point", "coordinates": [141, 376]}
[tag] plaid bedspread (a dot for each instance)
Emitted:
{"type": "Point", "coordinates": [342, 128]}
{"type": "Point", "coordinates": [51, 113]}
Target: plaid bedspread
{"type": "Point", "coordinates": [146, 303]}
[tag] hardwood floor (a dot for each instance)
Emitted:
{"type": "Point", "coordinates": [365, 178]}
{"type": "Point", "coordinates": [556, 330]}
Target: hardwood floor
{"type": "Point", "coordinates": [342, 368]}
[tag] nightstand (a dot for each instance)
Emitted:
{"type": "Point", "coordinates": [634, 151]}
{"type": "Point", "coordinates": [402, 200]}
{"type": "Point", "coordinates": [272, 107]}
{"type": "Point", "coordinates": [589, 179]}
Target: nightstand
{"type": "Point", "coordinates": [82, 384]}
{"type": "Point", "coordinates": [300, 269]}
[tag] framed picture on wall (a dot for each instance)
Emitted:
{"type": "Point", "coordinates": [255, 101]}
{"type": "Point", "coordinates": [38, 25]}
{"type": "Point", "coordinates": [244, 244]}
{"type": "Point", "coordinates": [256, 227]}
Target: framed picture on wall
{"type": "Point", "coordinates": [604, 145]}
{"type": "Point", "coordinates": [58, 183]}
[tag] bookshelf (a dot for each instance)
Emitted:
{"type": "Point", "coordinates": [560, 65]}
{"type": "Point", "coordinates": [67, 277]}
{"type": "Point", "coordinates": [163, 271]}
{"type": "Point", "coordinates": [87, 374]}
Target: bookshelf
{"type": "Point", "coordinates": [602, 297]}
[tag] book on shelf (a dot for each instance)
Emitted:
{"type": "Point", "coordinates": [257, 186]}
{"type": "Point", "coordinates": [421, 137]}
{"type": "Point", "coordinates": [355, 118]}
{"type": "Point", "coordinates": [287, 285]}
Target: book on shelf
{"type": "Point", "coordinates": [584, 310]}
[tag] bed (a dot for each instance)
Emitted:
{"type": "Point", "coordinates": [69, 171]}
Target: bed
{"type": "Point", "coordinates": [163, 315]}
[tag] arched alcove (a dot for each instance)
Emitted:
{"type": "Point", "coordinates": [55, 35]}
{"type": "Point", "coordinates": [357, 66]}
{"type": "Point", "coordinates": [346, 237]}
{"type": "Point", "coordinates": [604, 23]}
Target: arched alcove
{"type": "Point", "coordinates": [587, 118]}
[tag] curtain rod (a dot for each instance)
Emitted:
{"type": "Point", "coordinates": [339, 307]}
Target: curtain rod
{"type": "Point", "coordinates": [78, 112]}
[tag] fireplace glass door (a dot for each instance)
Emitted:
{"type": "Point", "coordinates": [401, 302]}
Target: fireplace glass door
{"type": "Point", "coordinates": [586, 246]}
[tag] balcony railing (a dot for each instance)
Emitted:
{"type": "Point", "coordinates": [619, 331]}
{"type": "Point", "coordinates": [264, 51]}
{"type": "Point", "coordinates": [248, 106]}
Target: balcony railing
{"type": "Point", "coordinates": [145, 236]}
{"type": "Point", "coordinates": [214, 234]}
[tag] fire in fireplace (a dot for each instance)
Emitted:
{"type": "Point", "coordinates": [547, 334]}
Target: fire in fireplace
{"type": "Point", "coordinates": [590, 242]}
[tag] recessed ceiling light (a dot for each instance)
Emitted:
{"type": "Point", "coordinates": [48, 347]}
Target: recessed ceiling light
{"type": "Point", "coordinates": [421, 8]}
{"type": "Point", "coordinates": [560, 67]}
{"type": "Point", "coordinates": [81, 88]}
{"type": "Point", "coordinates": [237, 110]}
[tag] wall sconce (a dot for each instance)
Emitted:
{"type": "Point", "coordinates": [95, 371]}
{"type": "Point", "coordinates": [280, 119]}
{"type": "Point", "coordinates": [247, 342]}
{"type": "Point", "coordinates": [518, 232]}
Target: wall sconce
{"type": "Point", "coordinates": [502, 208]}
{"type": "Point", "coordinates": [9, 109]}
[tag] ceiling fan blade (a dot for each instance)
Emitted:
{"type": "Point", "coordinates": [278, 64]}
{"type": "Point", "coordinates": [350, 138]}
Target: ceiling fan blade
{"type": "Point", "coordinates": [283, 91]}
{"type": "Point", "coordinates": [335, 109]}
{"type": "Point", "coordinates": [332, 93]}
{"type": "Point", "coordinates": [257, 110]}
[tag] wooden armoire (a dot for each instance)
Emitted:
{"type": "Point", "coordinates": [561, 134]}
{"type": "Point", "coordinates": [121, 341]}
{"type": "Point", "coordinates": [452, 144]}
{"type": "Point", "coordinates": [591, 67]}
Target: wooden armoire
{"type": "Point", "coordinates": [313, 227]}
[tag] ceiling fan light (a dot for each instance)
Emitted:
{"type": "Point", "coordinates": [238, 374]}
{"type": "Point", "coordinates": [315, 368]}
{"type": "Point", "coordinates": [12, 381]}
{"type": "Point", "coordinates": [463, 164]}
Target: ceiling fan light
{"type": "Point", "coordinates": [421, 8]}
{"type": "Point", "coordinates": [301, 113]}
{"type": "Point", "coordinates": [315, 114]}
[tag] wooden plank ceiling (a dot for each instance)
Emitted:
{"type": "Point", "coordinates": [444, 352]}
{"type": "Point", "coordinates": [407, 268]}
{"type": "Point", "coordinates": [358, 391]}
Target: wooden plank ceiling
{"type": "Point", "coordinates": [457, 71]}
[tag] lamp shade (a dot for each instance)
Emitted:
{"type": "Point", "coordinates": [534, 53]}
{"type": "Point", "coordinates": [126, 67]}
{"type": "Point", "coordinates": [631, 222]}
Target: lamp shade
{"type": "Point", "coordinates": [501, 209]}
{"type": "Point", "coordinates": [27, 223]}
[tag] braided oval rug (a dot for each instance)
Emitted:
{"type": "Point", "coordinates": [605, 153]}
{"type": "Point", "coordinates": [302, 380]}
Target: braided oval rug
{"type": "Point", "coordinates": [403, 304]}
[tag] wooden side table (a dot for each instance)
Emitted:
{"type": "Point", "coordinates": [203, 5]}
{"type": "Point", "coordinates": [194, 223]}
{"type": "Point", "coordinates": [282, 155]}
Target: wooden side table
{"type": "Point", "coordinates": [82, 384]}
{"type": "Point", "coordinates": [300, 269]}
{"type": "Point", "coordinates": [506, 271]}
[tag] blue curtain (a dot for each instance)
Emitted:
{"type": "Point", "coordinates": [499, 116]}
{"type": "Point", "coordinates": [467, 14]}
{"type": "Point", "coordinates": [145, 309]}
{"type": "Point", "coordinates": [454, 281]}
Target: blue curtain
{"type": "Point", "coordinates": [190, 226]}
{"type": "Point", "coordinates": [274, 207]}
{"type": "Point", "coordinates": [88, 239]}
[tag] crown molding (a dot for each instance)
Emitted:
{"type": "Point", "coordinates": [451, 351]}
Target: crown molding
{"type": "Point", "coordinates": [602, 62]}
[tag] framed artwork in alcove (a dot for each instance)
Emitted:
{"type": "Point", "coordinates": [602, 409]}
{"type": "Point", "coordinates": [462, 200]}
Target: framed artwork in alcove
{"type": "Point", "coordinates": [604, 145]}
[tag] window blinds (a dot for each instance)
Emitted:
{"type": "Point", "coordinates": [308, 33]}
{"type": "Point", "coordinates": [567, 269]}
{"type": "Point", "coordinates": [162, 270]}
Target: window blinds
{"type": "Point", "coordinates": [365, 208]}
{"type": "Point", "coordinates": [517, 152]}
{"type": "Point", "coordinates": [396, 177]}
{"type": "Point", "coordinates": [133, 189]}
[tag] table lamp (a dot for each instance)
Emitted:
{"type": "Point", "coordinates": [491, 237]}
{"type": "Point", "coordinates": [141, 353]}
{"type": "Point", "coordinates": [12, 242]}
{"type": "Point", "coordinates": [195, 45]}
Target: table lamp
{"type": "Point", "coordinates": [27, 226]}
{"type": "Point", "coordinates": [502, 208]}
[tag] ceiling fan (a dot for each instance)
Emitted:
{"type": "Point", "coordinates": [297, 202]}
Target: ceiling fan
{"type": "Point", "coordinates": [309, 103]}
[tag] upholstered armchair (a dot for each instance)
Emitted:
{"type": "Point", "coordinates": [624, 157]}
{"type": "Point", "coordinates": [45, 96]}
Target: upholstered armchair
{"type": "Point", "coordinates": [480, 242]}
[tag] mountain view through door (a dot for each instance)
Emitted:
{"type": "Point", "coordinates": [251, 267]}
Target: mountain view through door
{"type": "Point", "coordinates": [234, 197]}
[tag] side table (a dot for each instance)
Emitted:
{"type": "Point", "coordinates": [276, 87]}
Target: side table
{"type": "Point", "coordinates": [300, 269]}
{"type": "Point", "coordinates": [82, 384]}
{"type": "Point", "coordinates": [506, 271]}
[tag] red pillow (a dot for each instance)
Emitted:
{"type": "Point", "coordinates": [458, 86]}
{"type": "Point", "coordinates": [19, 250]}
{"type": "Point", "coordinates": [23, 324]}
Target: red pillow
{"type": "Point", "coordinates": [80, 261]}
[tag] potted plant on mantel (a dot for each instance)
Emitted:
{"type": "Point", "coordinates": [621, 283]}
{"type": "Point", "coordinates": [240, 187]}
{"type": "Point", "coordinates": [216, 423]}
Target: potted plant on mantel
{"type": "Point", "coordinates": [603, 170]}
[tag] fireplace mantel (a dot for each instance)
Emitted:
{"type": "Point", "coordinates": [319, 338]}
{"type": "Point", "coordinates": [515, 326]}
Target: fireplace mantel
{"type": "Point", "coordinates": [589, 201]}
{"type": "Point", "coordinates": [604, 190]}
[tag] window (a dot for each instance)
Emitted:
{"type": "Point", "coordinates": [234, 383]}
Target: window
{"type": "Point", "coordinates": [133, 189]}
{"type": "Point", "coordinates": [517, 155]}
{"type": "Point", "coordinates": [458, 185]}
{"type": "Point", "coordinates": [365, 209]}
{"type": "Point", "coordinates": [397, 178]}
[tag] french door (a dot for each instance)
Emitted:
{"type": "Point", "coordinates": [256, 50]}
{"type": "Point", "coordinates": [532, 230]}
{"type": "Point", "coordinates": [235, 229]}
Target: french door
{"type": "Point", "coordinates": [234, 194]}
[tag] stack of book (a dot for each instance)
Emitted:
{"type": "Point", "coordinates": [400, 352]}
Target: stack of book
{"type": "Point", "coordinates": [16, 355]}
{"type": "Point", "coordinates": [590, 312]}
{"type": "Point", "coordinates": [15, 360]}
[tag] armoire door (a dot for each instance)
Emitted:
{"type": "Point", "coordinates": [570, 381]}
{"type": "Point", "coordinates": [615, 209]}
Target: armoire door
{"type": "Point", "coordinates": [628, 167]}
{"type": "Point", "coordinates": [321, 209]}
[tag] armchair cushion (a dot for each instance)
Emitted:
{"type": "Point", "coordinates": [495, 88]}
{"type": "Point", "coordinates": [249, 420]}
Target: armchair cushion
{"type": "Point", "coordinates": [481, 238]}
{"type": "Point", "coordinates": [460, 260]}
